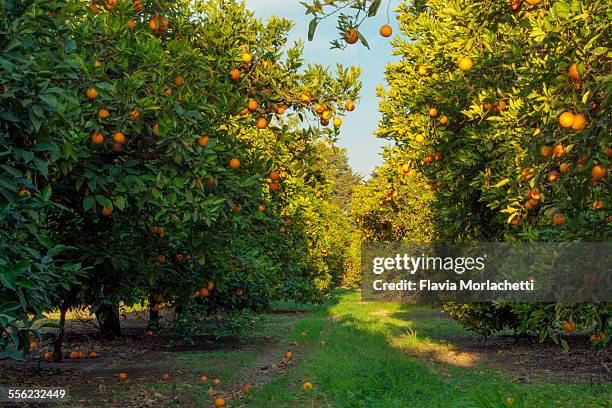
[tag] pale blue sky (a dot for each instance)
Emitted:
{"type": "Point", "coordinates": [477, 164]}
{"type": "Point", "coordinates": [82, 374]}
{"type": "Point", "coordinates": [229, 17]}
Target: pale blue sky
{"type": "Point", "coordinates": [357, 130]}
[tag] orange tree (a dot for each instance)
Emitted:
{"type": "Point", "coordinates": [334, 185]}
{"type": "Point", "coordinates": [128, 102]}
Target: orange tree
{"type": "Point", "coordinates": [139, 149]}
{"type": "Point", "coordinates": [504, 107]}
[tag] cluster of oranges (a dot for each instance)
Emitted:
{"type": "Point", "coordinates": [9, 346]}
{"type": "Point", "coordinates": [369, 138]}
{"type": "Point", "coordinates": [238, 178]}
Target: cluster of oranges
{"type": "Point", "coordinates": [159, 24]}
{"type": "Point", "coordinates": [97, 138]}
{"type": "Point", "coordinates": [73, 355]}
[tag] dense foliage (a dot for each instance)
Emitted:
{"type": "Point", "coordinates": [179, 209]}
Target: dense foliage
{"type": "Point", "coordinates": [149, 154]}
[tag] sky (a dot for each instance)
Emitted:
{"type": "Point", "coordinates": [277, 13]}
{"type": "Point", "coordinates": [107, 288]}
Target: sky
{"type": "Point", "coordinates": [357, 131]}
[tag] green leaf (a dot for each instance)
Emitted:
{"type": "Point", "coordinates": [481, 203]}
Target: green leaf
{"type": "Point", "coordinates": [312, 27]}
{"type": "Point", "coordinates": [88, 203]}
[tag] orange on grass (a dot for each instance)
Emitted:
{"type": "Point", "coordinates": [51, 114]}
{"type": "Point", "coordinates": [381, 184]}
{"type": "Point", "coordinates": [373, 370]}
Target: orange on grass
{"type": "Point", "coordinates": [92, 93]}
{"type": "Point", "coordinates": [386, 30]}
{"type": "Point", "coordinates": [559, 219]}
{"type": "Point", "coordinates": [598, 172]}
{"type": "Point", "coordinates": [261, 123]}
{"type": "Point", "coordinates": [203, 379]}
{"type": "Point", "coordinates": [203, 140]}
{"type": "Point", "coordinates": [119, 137]}
{"type": "Point", "coordinates": [235, 74]}
{"type": "Point", "coordinates": [465, 64]}
{"type": "Point", "coordinates": [219, 402]}
{"type": "Point", "coordinates": [307, 386]}
{"type": "Point", "coordinates": [234, 163]}
{"type": "Point", "coordinates": [246, 388]}
{"type": "Point", "coordinates": [566, 119]}
{"type": "Point", "coordinates": [579, 122]}
{"type": "Point", "coordinates": [107, 211]}
{"type": "Point", "coordinates": [216, 381]}
{"type": "Point", "coordinates": [289, 355]}
{"type": "Point", "coordinates": [122, 376]}
{"type": "Point", "coordinates": [252, 105]}
{"type": "Point", "coordinates": [351, 36]}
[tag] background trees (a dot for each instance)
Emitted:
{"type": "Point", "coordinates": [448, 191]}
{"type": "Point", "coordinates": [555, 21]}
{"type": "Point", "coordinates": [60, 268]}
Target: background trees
{"type": "Point", "coordinates": [148, 156]}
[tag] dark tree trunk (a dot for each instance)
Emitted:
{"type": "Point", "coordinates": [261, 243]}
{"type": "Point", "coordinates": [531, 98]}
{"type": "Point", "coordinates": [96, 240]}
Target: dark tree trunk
{"type": "Point", "coordinates": [153, 317]}
{"type": "Point", "coordinates": [108, 319]}
{"type": "Point", "coordinates": [59, 340]}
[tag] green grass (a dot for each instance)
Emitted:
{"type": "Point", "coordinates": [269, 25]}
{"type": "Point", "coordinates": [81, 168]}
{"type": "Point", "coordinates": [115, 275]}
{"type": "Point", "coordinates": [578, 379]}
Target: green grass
{"type": "Point", "coordinates": [368, 361]}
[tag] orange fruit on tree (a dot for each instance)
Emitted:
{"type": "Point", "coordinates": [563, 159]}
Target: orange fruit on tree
{"type": "Point", "coordinates": [559, 219]}
{"type": "Point", "coordinates": [515, 221]}
{"type": "Point", "coordinates": [234, 163]}
{"type": "Point", "coordinates": [546, 151]}
{"type": "Point", "coordinates": [327, 115]}
{"type": "Point", "coordinates": [273, 186]}
{"type": "Point", "coordinates": [350, 106]}
{"type": "Point", "coordinates": [252, 105]}
{"type": "Point", "coordinates": [307, 386]}
{"type": "Point", "coordinates": [219, 402]}
{"type": "Point", "coordinates": [569, 326]}
{"type": "Point", "coordinates": [261, 208]}
{"type": "Point", "coordinates": [82, 355]}
{"type": "Point", "coordinates": [280, 109]}
{"type": "Point", "coordinates": [443, 120]}
{"type": "Point", "coordinates": [239, 292]}
{"type": "Point", "coordinates": [553, 176]}
{"type": "Point", "coordinates": [437, 156]}
{"type": "Point", "coordinates": [203, 140]}
{"type": "Point", "coordinates": [533, 2]}
{"type": "Point", "coordinates": [419, 139]}
{"type": "Point", "coordinates": [122, 376]}
{"type": "Point", "coordinates": [433, 112]}
{"type": "Point", "coordinates": [351, 36]}
{"type": "Point", "coordinates": [158, 297]}
{"type": "Point", "coordinates": [261, 123]}
{"type": "Point", "coordinates": [247, 57]}
{"type": "Point", "coordinates": [74, 355]}
{"type": "Point", "coordinates": [559, 150]}
{"type": "Point", "coordinates": [501, 105]}
{"type": "Point", "coordinates": [119, 137]}
{"type": "Point", "coordinates": [608, 152]}
{"type": "Point", "coordinates": [210, 286]}
{"type": "Point", "coordinates": [149, 333]}
{"type": "Point", "coordinates": [598, 172]}
{"type": "Point", "coordinates": [160, 258]}
{"type": "Point", "coordinates": [234, 74]}
{"type": "Point", "coordinates": [564, 168]}
{"type": "Point", "coordinates": [386, 30]}
{"type": "Point", "coordinates": [135, 114]}
{"type": "Point", "coordinates": [274, 175]}
{"type": "Point", "coordinates": [465, 64]}
{"type": "Point", "coordinates": [427, 159]}
{"type": "Point", "coordinates": [598, 205]}
{"type": "Point", "coordinates": [422, 71]}
{"type": "Point", "coordinates": [337, 122]}
{"type": "Point", "coordinates": [244, 111]}
{"type": "Point", "coordinates": [132, 23]}
{"type": "Point", "coordinates": [566, 119]}
{"type": "Point", "coordinates": [573, 72]}
{"type": "Point", "coordinates": [97, 63]}
{"type": "Point", "coordinates": [579, 122]}
{"type": "Point", "coordinates": [107, 211]}
{"type": "Point", "coordinates": [92, 93]}
{"type": "Point", "coordinates": [93, 354]}
{"type": "Point", "coordinates": [405, 168]}
{"type": "Point", "coordinates": [282, 230]}
{"type": "Point", "coordinates": [33, 344]}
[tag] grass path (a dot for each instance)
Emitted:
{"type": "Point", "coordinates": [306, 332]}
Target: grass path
{"type": "Point", "coordinates": [373, 357]}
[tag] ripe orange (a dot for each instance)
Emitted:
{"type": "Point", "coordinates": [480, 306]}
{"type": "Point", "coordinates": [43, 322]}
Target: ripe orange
{"type": "Point", "coordinates": [97, 63]}
{"type": "Point", "coordinates": [74, 355]}
{"type": "Point", "coordinates": [327, 115]}
{"type": "Point", "coordinates": [437, 156]}
{"type": "Point", "coordinates": [573, 72]}
{"type": "Point", "coordinates": [210, 286]}
{"type": "Point", "coordinates": [203, 140]}
{"type": "Point", "coordinates": [386, 30]}
{"type": "Point", "coordinates": [97, 138]}
{"type": "Point", "coordinates": [155, 129]}
{"type": "Point", "coordinates": [324, 122]}
{"type": "Point", "coordinates": [598, 205]}
{"type": "Point", "coordinates": [566, 119]}
{"type": "Point", "coordinates": [564, 168]}
{"type": "Point", "coordinates": [422, 71]}
{"type": "Point", "coordinates": [289, 355]}
{"type": "Point", "coordinates": [160, 258]}
{"type": "Point", "coordinates": [234, 163]}
{"type": "Point", "coordinates": [209, 181]}
{"type": "Point", "coordinates": [107, 211]}
{"type": "Point", "coordinates": [165, 377]}
{"type": "Point", "coordinates": [93, 354]}
{"type": "Point", "coordinates": [427, 159]}
{"type": "Point", "coordinates": [216, 381]}
{"type": "Point", "coordinates": [262, 123]}
{"type": "Point", "coordinates": [546, 151]}
{"type": "Point", "coordinates": [608, 152]}
{"type": "Point", "coordinates": [261, 208]}
{"type": "Point", "coordinates": [244, 111]}
{"type": "Point", "coordinates": [253, 105]}
{"type": "Point", "coordinates": [219, 402]}
{"type": "Point", "coordinates": [132, 23]}
{"type": "Point", "coordinates": [553, 176]}
{"type": "Point", "coordinates": [91, 93]}
{"type": "Point", "coordinates": [274, 175]}
{"type": "Point", "coordinates": [443, 120]}
{"type": "Point", "coordinates": [48, 356]}
{"type": "Point", "coordinates": [203, 379]}
{"type": "Point", "coordinates": [280, 109]}
{"type": "Point", "coordinates": [433, 112]}
{"type": "Point", "coordinates": [239, 292]}
{"type": "Point", "coordinates": [153, 25]}
{"type": "Point", "coordinates": [119, 137]}
{"type": "Point", "coordinates": [501, 105]}
{"type": "Point", "coordinates": [135, 114]}
{"type": "Point", "coordinates": [235, 74]}
{"type": "Point", "coordinates": [465, 64]}
{"type": "Point", "coordinates": [569, 326]}
{"type": "Point", "coordinates": [273, 186]}
{"type": "Point", "coordinates": [149, 333]}
{"type": "Point", "coordinates": [419, 139]}
{"type": "Point", "coordinates": [33, 344]}
{"type": "Point", "coordinates": [337, 122]}
{"type": "Point", "coordinates": [598, 172]}
{"type": "Point", "coordinates": [246, 388]}
{"type": "Point", "coordinates": [559, 219]}
{"type": "Point", "coordinates": [122, 376]}
{"type": "Point", "coordinates": [350, 106]}
{"type": "Point", "coordinates": [351, 36]}
{"type": "Point", "coordinates": [516, 221]}
{"type": "Point", "coordinates": [178, 80]}
{"type": "Point", "coordinates": [24, 192]}
{"type": "Point", "coordinates": [307, 386]}
{"type": "Point", "coordinates": [579, 122]}
{"type": "Point", "coordinates": [405, 168]}
{"type": "Point", "coordinates": [282, 230]}
{"type": "Point", "coordinates": [559, 150]}
{"type": "Point", "coordinates": [533, 2]}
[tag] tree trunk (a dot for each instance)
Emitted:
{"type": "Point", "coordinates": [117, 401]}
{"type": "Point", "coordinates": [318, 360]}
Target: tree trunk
{"type": "Point", "coordinates": [108, 319]}
{"type": "Point", "coordinates": [153, 317]}
{"type": "Point", "coordinates": [59, 340]}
